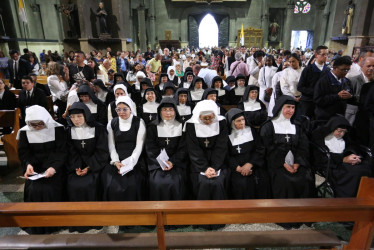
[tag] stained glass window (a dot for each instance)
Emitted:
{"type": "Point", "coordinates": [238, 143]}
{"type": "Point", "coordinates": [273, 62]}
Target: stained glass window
{"type": "Point", "coordinates": [302, 7]}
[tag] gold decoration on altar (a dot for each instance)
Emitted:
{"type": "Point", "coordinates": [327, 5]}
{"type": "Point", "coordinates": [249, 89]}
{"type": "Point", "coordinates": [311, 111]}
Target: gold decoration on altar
{"type": "Point", "coordinates": [252, 37]}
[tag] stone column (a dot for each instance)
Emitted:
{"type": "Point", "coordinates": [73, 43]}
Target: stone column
{"type": "Point", "coordinates": [265, 23]}
{"type": "Point", "coordinates": [287, 24]}
{"type": "Point", "coordinates": [233, 32]}
{"type": "Point", "coordinates": [325, 18]}
{"type": "Point", "coordinates": [49, 18]}
{"type": "Point", "coordinates": [152, 23]}
{"type": "Point", "coordinates": [184, 29]}
{"type": "Point", "coordinates": [142, 29]}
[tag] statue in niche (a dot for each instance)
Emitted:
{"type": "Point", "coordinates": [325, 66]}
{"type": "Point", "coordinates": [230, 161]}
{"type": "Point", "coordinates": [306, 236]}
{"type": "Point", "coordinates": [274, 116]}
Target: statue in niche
{"type": "Point", "coordinates": [70, 11]}
{"type": "Point", "coordinates": [348, 20]}
{"type": "Point", "coordinates": [102, 14]}
{"type": "Point", "coordinates": [273, 32]}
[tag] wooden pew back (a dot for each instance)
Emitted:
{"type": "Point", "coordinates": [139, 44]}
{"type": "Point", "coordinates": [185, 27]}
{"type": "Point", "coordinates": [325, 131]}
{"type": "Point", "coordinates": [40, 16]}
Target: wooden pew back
{"type": "Point", "coordinates": [10, 118]}
{"type": "Point", "coordinates": [160, 213]}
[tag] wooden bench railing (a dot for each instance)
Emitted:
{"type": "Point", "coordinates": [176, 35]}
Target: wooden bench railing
{"type": "Point", "coordinates": [359, 209]}
{"type": "Point", "coordinates": [10, 118]}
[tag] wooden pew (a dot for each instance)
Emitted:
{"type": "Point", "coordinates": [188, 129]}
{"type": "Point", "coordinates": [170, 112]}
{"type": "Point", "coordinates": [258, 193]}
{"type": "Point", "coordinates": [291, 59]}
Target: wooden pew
{"type": "Point", "coordinates": [10, 118]}
{"type": "Point", "coordinates": [160, 213]}
{"type": "Point", "coordinates": [15, 91]}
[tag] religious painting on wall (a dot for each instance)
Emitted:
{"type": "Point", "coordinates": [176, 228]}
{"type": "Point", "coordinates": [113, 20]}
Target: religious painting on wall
{"type": "Point", "coordinates": [167, 34]}
{"type": "Point", "coordinates": [275, 24]}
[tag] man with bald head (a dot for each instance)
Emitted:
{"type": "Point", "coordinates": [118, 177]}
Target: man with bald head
{"type": "Point", "coordinates": [105, 67]}
{"type": "Point", "coordinates": [356, 66]}
{"type": "Point", "coordinates": [364, 85]}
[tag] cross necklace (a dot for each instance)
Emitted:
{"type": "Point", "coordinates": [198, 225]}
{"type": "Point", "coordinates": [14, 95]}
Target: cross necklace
{"type": "Point", "coordinates": [83, 143]}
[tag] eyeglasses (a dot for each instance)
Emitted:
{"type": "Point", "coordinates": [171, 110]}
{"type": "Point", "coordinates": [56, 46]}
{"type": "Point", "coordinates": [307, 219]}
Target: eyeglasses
{"type": "Point", "coordinates": [118, 110]}
{"type": "Point", "coordinates": [36, 124]}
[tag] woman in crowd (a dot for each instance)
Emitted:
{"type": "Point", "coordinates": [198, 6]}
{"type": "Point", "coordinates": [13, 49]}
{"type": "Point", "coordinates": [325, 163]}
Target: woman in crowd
{"type": "Point", "coordinates": [197, 88]}
{"type": "Point", "coordinates": [217, 84]}
{"type": "Point", "coordinates": [119, 90]}
{"type": "Point", "coordinates": [290, 77]}
{"type": "Point", "coordinates": [166, 179]}
{"type": "Point", "coordinates": [102, 93]}
{"type": "Point", "coordinates": [206, 139]}
{"type": "Point", "coordinates": [212, 94]}
{"type": "Point", "coordinates": [150, 102]}
{"type": "Point", "coordinates": [172, 76]}
{"type": "Point", "coordinates": [249, 179]}
{"type": "Point", "coordinates": [347, 164]}
{"type": "Point", "coordinates": [97, 108]}
{"type": "Point", "coordinates": [236, 94]}
{"type": "Point", "coordinates": [88, 155]}
{"type": "Point", "coordinates": [58, 88]}
{"type": "Point", "coordinates": [42, 150]}
{"type": "Point", "coordinates": [184, 104]}
{"type": "Point", "coordinates": [123, 180]}
{"type": "Point", "coordinates": [287, 153]}
{"type": "Point", "coordinates": [265, 79]}
{"type": "Point", "coordinates": [34, 65]}
{"type": "Point", "coordinates": [255, 111]}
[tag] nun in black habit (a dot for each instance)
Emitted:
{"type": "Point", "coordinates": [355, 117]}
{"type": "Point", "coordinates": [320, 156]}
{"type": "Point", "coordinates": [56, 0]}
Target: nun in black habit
{"type": "Point", "coordinates": [97, 108]}
{"type": "Point", "coordinates": [246, 159]}
{"type": "Point", "coordinates": [166, 183]}
{"type": "Point", "coordinates": [150, 102]}
{"type": "Point", "coordinates": [197, 89]}
{"type": "Point", "coordinates": [119, 90]}
{"type": "Point", "coordinates": [348, 163]}
{"type": "Point", "coordinates": [187, 80]}
{"type": "Point", "coordinates": [102, 93]}
{"type": "Point", "coordinates": [120, 79]}
{"type": "Point", "coordinates": [206, 138]}
{"type": "Point", "coordinates": [217, 84]}
{"type": "Point", "coordinates": [145, 83]}
{"type": "Point", "coordinates": [254, 110]}
{"type": "Point", "coordinates": [212, 94]}
{"type": "Point", "coordinates": [169, 90]}
{"type": "Point", "coordinates": [88, 155]}
{"type": "Point", "coordinates": [161, 82]}
{"type": "Point", "coordinates": [235, 95]}
{"type": "Point", "coordinates": [123, 180]}
{"type": "Point", "coordinates": [42, 149]}
{"type": "Point", "coordinates": [287, 153]}
{"type": "Point", "coordinates": [184, 104]}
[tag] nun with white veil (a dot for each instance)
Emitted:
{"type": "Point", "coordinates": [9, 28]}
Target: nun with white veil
{"type": "Point", "coordinates": [206, 139]}
{"type": "Point", "coordinates": [42, 150]}
{"type": "Point", "coordinates": [123, 180]}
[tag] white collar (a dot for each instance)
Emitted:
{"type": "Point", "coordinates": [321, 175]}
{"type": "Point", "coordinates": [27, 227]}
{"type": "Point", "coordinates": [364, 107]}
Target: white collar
{"type": "Point", "coordinates": [186, 85]}
{"type": "Point", "coordinates": [169, 128]}
{"type": "Point", "coordinates": [221, 92]}
{"type": "Point", "coordinates": [240, 90]}
{"type": "Point", "coordinates": [283, 125]}
{"type": "Point", "coordinates": [319, 66]}
{"type": "Point", "coordinates": [251, 105]}
{"type": "Point", "coordinates": [366, 80]}
{"type": "Point", "coordinates": [150, 107]}
{"type": "Point", "coordinates": [334, 144]}
{"type": "Point", "coordinates": [83, 132]}
{"type": "Point", "coordinates": [339, 80]}
{"type": "Point", "coordinates": [196, 95]}
{"type": "Point", "coordinates": [183, 109]}
{"type": "Point", "coordinates": [92, 106]}
{"type": "Point", "coordinates": [238, 137]}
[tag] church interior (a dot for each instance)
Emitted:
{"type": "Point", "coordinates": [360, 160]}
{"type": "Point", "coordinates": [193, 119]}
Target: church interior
{"type": "Point", "coordinates": [279, 29]}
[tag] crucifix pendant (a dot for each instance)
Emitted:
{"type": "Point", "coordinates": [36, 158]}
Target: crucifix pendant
{"type": "Point", "coordinates": [287, 138]}
{"type": "Point", "coordinates": [206, 142]}
{"type": "Point", "coordinates": [167, 141]}
{"type": "Point", "coordinates": [150, 117]}
{"type": "Point", "coordinates": [83, 143]}
{"type": "Point", "coordinates": [239, 149]}
{"type": "Point", "coordinates": [183, 118]}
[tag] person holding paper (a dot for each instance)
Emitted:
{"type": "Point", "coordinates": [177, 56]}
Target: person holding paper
{"type": "Point", "coordinates": [167, 171]}
{"type": "Point", "coordinates": [42, 150]}
{"type": "Point", "coordinates": [246, 159]}
{"type": "Point", "coordinates": [88, 155]}
{"type": "Point", "coordinates": [123, 180]}
{"type": "Point", "coordinates": [150, 102]}
{"type": "Point", "coordinates": [206, 139]}
{"type": "Point", "coordinates": [281, 136]}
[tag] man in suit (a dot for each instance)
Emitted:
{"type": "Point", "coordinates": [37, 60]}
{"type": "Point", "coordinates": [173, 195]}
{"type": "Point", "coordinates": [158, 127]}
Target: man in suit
{"type": "Point", "coordinates": [30, 95]}
{"type": "Point", "coordinates": [8, 101]}
{"type": "Point", "coordinates": [17, 67]}
{"type": "Point", "coordinates": [363, 87]}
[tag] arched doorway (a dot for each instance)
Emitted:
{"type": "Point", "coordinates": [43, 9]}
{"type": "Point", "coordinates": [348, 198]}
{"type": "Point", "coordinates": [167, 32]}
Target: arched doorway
{"type": "Point", "coordinates": [208, 32]}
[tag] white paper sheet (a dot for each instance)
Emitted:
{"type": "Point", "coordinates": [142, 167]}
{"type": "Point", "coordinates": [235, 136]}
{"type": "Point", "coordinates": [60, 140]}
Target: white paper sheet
{"type": "Point", "coordinates": [128, 166]}
{"type": "Point", "coordinates": [37, 176]}
{"type": "Point", "coordinates": [162, 158]}
{"type": "Point", "coordinates": [289, 158]}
